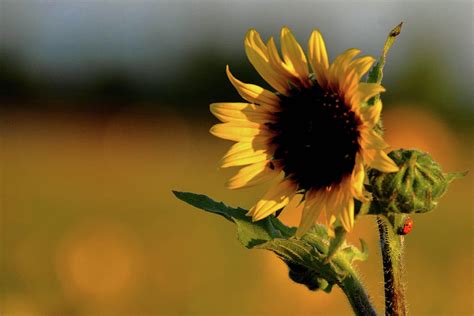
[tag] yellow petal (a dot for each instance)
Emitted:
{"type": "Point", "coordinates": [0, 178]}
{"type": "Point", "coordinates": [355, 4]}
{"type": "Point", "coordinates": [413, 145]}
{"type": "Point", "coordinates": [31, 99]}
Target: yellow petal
{"type": "Point", "coordinates": [318, 57]}
{"type": "Point", "coordinates": [365, 91]}
{"type": "Point", "coordinates": [329, 222]}
{"type": "Point", "coordinates": [352, 75]}
{"type": "Point", "coordinates": [371, 114]}
{"type": "Point", "coordinates": [379, 160]}
{"type": "Point", "coordinates": [254, 93]}
{"type": "Point", "coordinates": [344, 59]}
{"type": "Point", "coordinates": [293, 54]}
{"type": "Point", "coordinates": [371, 140]}
{"type": "Point", "coordinates": [337, 70]}
{"type": "Point", "coordinates": [227, 112]}
{"type": "Point", "coordinates": [253, 174]}
{"type": "Point", "coordinates": [313, 206]}
{"type": "Point", "coordinates": [250, 159]}
{"type": "Point", "coordinates": [347, 216]}
{"type": "Point", "coordinates": [246, 156]}
{"type": "Point", "coordinates": [278, 64]}
{"type": "Point", "coordinates": [258, 56]}
{"type": "Point", "coordinates": [357, 181]}
{"type": "Point", "coordinates": [336, 197]}
{"type": "Point", "coordinates": [295, 204]}
{"type": "Point", "coordinates": [242, 146]}
{"type": "Point", "coordinates": [362, 65]}
{"type": "Point", "coordinates": [276, 198]}
{"type": "Point", "coordinates": [254, 38]}
{"type": "Point", "coordinates": [240, 131]}
{"type": "Point", "coordinates": [348, 85]}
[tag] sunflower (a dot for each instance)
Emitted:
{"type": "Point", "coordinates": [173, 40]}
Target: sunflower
{"type": "Point", "coordinates": [315, 129]}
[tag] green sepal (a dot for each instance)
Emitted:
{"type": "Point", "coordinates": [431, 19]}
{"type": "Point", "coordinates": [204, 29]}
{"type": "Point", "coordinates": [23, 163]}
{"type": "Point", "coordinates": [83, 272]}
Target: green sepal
{"type": "Point", "coordinates": [376, 73]}
{"type": "Point", "coordinates": [361, 208]}
{"type": "Point", "coordinates": [451, 176]}
{"type": "Point", "coordinates": [250, 234]}
{"type": "Point", "coordinates": [336, 242]}
{"type": "Point", "coordinates": [353, 253]}
{"type": "Point", "coordinates": [306, 257]}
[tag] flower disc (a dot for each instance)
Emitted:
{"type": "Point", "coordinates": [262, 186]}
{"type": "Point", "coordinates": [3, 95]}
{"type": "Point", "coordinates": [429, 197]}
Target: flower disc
{"type": "Point", "coordinates": [318, 137]}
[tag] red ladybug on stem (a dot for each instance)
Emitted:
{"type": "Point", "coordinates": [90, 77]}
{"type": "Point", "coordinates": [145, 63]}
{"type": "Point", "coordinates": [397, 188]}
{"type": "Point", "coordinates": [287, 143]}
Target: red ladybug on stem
{"type": "Point", "coordinates": [407, 227]}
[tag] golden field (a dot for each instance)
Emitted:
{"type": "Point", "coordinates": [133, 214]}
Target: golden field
{"type": "Point", "coordinates": [89, 225]}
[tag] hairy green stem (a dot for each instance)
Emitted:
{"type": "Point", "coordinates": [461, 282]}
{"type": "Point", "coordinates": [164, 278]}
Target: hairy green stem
{"type": "Point", "coordinates": [391, 245]}
{"type": "Point", "coordinates": [357, 296]}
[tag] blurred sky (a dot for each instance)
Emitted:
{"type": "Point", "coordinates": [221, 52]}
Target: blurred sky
{"type": "Point", "coordinates": [67, 40]}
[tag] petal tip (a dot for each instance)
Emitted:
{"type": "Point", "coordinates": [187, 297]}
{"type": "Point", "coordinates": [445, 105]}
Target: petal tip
{"type": "Point", "coordinates": [285, 30]}
{"type": "Point", "coordinates": [394, 168]}
{"type": "Point", "coordinates": [213, 107]}
{"type": "Point", "coordinates": [316, 34]}
{"type": "Point", "coordinates": [255, 218]}
{"type": "Point", "coordinates": [251, 33]}
{"type": "Point", "coordinates": [212, 130]}
{"type": "Point", "coordinates": [251, 30]}
{"type": "Point", "coordinates": [231, 185]}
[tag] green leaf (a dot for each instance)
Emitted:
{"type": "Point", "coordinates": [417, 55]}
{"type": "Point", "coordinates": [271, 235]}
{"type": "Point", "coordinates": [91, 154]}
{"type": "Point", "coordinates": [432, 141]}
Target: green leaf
{"type": "Point", "coordinates": [250, 234]}
{"type": "Point", "coordinates": [205, 203]}
{"type": "Point", "coordinates": [306, 257]}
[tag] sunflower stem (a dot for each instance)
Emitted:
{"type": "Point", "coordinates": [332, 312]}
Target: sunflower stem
{"type": "Point", "coordinates": [391, 245]}
{"type": "Point", "coordinates": [357, 296]}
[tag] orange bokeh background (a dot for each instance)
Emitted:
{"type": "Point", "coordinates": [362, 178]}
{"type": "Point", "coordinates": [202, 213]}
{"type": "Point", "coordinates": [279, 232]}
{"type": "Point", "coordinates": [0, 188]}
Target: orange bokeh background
{"type": "Point", "coordinates": [93, 229]}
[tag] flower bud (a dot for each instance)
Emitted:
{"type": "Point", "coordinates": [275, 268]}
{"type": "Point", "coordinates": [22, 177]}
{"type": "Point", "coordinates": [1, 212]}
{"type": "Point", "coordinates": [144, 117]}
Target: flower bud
{"type": "Point", "coordinates": [415, 188]}
{"type": "Point", "coordinates": [308, 277]}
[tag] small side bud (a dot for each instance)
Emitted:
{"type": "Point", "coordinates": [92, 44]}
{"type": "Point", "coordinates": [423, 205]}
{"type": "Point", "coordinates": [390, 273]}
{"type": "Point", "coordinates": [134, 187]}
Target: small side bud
{"type": "Point", "coordinates": [415, 188]}
{"type": "Point", "coordinates": [307, 277]}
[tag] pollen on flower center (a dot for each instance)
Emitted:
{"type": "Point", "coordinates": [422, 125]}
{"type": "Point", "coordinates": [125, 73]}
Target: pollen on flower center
{"type": "Point", "coordinates": [317, 137]}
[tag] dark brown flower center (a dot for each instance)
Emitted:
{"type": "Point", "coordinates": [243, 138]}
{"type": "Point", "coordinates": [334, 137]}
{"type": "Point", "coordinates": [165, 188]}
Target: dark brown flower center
{"type": "Point", "coordinates": [317, 137]}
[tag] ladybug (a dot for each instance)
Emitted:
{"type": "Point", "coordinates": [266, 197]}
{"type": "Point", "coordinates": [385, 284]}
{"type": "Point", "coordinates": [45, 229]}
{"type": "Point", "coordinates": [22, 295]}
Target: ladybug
{"type": "Point", "coordinates": [407, 227]}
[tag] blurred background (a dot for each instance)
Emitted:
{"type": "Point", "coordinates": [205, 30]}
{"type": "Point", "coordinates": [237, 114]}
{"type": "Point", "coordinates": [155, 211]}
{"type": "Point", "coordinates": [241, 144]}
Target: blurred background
{"type": "Point", "coordinates": [104, 110]}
